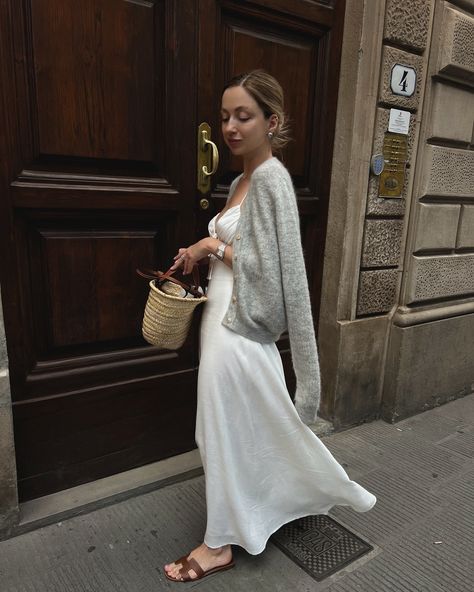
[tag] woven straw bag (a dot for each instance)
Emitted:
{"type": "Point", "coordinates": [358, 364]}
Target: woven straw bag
{"type": "Point", "coordinates": [168, 314]}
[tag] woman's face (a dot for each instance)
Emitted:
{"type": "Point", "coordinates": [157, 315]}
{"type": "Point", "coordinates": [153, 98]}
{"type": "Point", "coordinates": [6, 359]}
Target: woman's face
{"type": "Point", "coordinates": [244, 126]}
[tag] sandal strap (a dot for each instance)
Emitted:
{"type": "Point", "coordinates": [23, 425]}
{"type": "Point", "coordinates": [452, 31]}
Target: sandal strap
{"type": "Point", "coordinates": [196, 567]}
{"type": "Point", "coordinates": [189, 564]}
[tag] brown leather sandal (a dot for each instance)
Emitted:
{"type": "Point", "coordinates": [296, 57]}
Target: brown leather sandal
{"type": "Point", "coordinates": [192, 564]}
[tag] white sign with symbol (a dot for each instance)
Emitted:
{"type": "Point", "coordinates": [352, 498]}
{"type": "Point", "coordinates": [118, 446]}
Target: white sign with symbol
{"type": "Point", "coordinates": [399, 122]}
{"type": "Point", "coordinates": [403, 81]}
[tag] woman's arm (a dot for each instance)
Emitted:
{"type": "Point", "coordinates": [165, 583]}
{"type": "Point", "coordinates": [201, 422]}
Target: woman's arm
{"type": "Point", "coordinates": [188, 257]}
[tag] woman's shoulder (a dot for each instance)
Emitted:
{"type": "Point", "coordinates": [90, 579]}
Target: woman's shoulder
{"type": "Point", "coordinates": [272, 166]}
{"type": "Point", "coordinates": [272, 174]}
{"type": "Point", "coordinates": [233, 186]}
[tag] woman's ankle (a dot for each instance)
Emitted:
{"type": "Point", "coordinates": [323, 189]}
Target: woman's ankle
{"type": "Point", "coordinates": [218, 550]}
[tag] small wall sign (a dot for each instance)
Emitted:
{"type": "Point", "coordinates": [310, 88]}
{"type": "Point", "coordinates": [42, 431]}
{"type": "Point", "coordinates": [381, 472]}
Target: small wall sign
{"type": "Point", "coordinates": [403, 80]}
{"type": "Point", "coordinates": [399, 122]}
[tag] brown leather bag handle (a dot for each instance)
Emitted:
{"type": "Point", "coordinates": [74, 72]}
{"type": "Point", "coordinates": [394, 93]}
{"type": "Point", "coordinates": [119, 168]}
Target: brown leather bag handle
{"type": "Point", "coordinates": [151, 274]}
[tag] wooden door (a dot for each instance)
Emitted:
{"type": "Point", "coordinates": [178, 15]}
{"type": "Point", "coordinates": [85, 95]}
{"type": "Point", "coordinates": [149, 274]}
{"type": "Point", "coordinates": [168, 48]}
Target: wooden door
{"type": "Point", "coordinates": [99, 179]}
{"type": "Point", "coordinates": [101, 100]}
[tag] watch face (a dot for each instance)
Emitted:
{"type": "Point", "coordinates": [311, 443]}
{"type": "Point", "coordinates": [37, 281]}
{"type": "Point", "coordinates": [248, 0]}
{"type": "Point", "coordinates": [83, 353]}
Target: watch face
{"type": "Point", "coordinates": [220, 251]}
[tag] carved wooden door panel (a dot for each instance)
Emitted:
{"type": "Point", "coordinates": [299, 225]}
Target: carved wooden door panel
{"type": "Point", "coordinates": [101, 100]}
{"type": "Point", "coordinates": [99, 179]}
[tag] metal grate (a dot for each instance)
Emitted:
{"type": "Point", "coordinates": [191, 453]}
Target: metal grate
{"type": "Point", "coordinates": [319, 545]}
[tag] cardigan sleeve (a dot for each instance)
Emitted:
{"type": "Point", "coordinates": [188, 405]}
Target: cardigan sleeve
{"type": "Point", "coordinates": [296, 296]}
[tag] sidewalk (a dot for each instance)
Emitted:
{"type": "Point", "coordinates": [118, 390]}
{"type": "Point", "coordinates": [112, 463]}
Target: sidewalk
{"type": "Point", "coordinates": [422, 528]}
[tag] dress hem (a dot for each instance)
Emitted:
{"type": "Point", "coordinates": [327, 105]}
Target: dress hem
{"type": "Point", "coordinates": [286, 521]}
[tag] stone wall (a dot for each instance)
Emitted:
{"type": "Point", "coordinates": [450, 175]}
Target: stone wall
{"type": "Point", "coordinates": [396, 329]}
{"type": "Point", "coordinates": [351, 350]}
{"type": "Point", "coordinates": [362, 279]}
{"type": "Point", "coordinates": [441, 265]}
{"type": "Point", "coordinates": [8, 482]}
{"type": "Point", "coordinates": [431, 347]}
{"type": "Point", "coordinates": [405, 41]}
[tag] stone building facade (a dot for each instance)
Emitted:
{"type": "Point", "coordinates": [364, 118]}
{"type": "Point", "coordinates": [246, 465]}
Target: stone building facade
{"type": "Point", "coordinates": [397, 322]}
{"type": "Point", "coordinates": [396, 330]}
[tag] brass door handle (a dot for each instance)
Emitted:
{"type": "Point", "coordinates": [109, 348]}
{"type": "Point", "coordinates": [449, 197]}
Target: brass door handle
{"type": "Point", "coordinates": [215, 154]}
{"type": "Point", "coordinates": [208, 158]}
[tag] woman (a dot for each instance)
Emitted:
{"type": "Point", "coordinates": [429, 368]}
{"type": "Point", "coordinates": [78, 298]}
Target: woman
{"type": "Point", "coordinates": [263, 466]}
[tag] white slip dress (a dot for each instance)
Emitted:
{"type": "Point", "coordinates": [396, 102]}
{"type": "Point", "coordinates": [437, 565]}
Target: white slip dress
{"type": "Point", "coordinates": [263, 466]}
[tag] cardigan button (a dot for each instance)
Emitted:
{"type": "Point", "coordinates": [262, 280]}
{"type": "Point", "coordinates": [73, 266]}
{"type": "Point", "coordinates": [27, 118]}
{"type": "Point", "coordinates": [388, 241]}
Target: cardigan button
{"type": "Point", "coordinates": [238, 237]}
{"type": "Point", "coordinates": [234, 299]}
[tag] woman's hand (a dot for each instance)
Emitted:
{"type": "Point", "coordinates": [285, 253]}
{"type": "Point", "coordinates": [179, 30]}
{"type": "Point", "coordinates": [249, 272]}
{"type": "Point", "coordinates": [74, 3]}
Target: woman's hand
{"type": "Point", "coordinates": [187, 258]}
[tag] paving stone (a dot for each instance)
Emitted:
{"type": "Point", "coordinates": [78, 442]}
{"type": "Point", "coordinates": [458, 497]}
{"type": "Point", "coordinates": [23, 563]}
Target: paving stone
{"type": "Point", "coordinates": [432, 427]}
{"type": "Point", "coordinates": [461, 442]}
{"type": "Point", "coordinates": [458, 492]}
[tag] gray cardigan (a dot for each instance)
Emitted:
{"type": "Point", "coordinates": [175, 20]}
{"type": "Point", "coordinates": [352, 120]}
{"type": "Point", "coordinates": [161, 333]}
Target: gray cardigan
{"type": "Point", "coordinates": [270, 293]}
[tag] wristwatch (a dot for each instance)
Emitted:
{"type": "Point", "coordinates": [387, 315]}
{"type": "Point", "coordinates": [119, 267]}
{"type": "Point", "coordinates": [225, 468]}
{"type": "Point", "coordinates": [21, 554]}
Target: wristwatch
{"type": "Point", "coordinates": [220, 252]}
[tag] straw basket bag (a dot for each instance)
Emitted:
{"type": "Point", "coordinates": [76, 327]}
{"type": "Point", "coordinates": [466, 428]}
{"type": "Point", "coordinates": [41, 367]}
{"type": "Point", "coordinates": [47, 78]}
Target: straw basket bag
{"type": "Point", "coordinates": [169, 308]}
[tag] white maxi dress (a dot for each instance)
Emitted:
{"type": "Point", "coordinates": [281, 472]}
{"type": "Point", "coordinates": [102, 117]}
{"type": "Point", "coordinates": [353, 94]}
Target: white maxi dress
{"type": "Point", "coordinates": [263, 466]}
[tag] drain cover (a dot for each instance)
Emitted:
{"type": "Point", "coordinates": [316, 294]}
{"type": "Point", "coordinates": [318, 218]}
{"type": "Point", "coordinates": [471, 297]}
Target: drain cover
{"type": "Point", "coordinates": [319, 545]}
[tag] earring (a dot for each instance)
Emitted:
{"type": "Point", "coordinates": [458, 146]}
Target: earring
{"type": "Point", "coordinates": [270, 135]}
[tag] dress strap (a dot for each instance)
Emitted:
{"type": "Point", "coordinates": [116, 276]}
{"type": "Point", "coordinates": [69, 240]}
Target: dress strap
{"type": "Point", "coordinates": [226, 209]}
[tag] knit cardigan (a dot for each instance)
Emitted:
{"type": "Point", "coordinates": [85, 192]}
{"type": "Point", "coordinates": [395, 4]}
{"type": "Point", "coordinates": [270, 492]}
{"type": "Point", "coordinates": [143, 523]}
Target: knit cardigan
{"type": "Point", "coordinates": [270, 292]}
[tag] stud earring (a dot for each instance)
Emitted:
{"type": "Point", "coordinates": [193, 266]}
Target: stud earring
{"type": "Point", "coordinates": [270, 135]}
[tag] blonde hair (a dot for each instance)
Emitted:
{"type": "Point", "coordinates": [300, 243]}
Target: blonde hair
{"type": "Point", "coordinates": [268, 94]}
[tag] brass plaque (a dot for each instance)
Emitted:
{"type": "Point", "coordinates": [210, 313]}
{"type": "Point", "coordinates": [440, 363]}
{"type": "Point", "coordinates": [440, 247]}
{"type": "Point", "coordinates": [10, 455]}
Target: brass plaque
{"type": "Point", "coordinates": [392, 178]}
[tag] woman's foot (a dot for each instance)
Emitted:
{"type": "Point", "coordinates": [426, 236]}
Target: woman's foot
{"type": "Point", "coordinates": [206, 557]}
